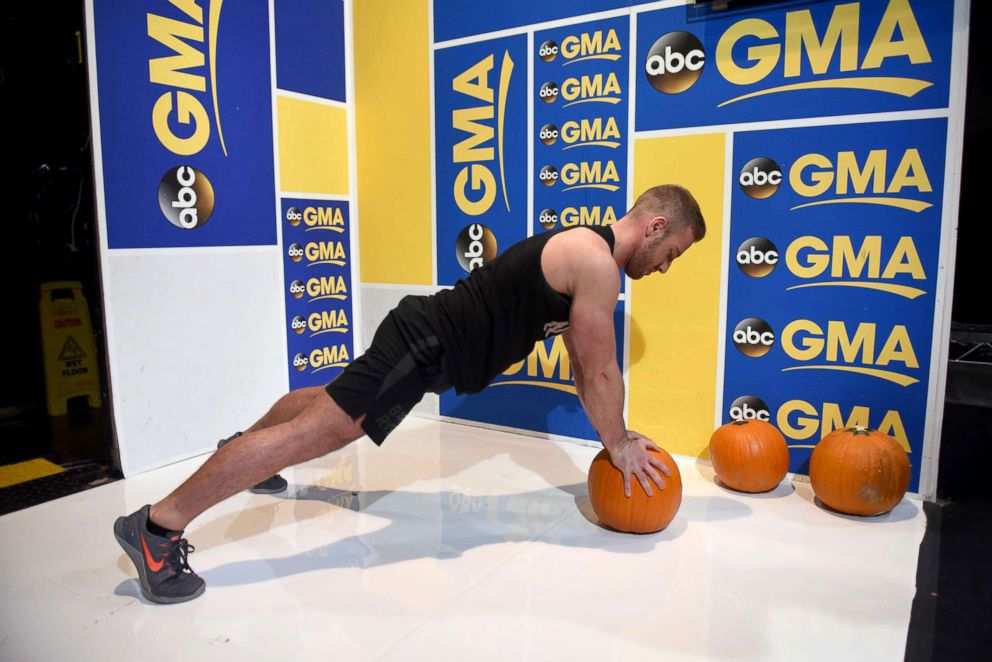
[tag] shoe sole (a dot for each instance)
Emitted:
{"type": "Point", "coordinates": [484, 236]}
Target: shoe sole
{"type": "Point", "coordinates": [258, 489]}
{"type": "Point", "coordinates": [139, 563]}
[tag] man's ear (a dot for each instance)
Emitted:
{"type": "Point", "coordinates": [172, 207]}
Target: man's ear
{"type": "Point", "coordinates": [657, 224]}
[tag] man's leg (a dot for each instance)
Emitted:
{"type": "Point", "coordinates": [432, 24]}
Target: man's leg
{"type": "Point", "coordinates": [288, 407]}
{"type": "Point", "coordinates": [318, 427]}
{"type": "Point", "coordinates": [285, 409]}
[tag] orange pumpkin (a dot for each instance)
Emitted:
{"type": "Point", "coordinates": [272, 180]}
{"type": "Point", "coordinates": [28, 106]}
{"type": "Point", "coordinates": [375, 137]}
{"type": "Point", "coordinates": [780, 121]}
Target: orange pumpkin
{"type": "Point", "coordinates": [749, 456]}
{"type": "Point", "coordinates": [859, 471]}
{"type": "Point", "coordinates": [640, 513]}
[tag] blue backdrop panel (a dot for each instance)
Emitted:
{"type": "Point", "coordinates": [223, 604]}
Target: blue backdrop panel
{"type": "Point", "coordinates": [181, 90]}
{"type": "Point", "coordinates": [881, 61]}
{"type": "Point", "coordinates": [580, 124]}
{"type": "Point", "coordinates": [481, 164]}
{"type": "Point", "coordinates": [319, 310]}
{"type": "Point", "coordinates": [847, 285]}
{"type": "Point", "coordinates": [310, 47]}
{"type": "Point", "coordinates": [463, 18]}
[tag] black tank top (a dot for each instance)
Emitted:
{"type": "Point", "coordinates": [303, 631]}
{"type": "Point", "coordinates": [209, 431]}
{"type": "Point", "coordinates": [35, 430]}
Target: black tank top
{"type": "Point", "coordinates": [491, 319]}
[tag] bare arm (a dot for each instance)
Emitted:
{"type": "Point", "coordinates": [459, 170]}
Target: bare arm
{"type": "Point", "coordinates": [592, 348]}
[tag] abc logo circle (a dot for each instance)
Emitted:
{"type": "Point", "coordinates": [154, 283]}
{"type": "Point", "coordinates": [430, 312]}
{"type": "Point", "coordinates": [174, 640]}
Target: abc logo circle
{"type": "Point", "coordinates": [298, 324]}
{"type": "Point", "coordinates": [760, 178]}
{"type": "Point", "coordinates": [186, 197]}
{"type": "Point", "coordinates": [675, 62]}
{"type": "Point", "coordinates": [300, 361]}
{"type": "Point", "coordinates": [549, 92]}
{"type": "Point", "coordinates": [548, 134]}
{"type": "Point", "coordinates": [757, 257]}
{"type": "Point", "coordinates": [548, 175]}
{"type": "Point", "coordinates": [294, 216]}
{"type": "Point", "coordinates": [548, 51]}
{"type": "Point", "coordinates": [749, 408]}
{"type": "Point", "coordinates": [475, 246]}
{"type": "Point", "coordinates": [297, 289]}
{"type": "Point", "coordinates": [753, 337]}
{"type": "Point", "coordinates": [548, 218]}
{"type": "Point", "coordinates": [295, 252]}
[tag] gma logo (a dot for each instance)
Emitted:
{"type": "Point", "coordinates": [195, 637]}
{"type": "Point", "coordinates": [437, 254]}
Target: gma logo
{"type": "Point", "coordinates": [475, 183]}
{"type": "Point", "coordinates": [324, 218]}
{"type": "Point", "coordinates": [594, 132]}
{"type": "Point", "coordinates": [181, 71]}
{"type": "Point", "coordinates": [870, 265]}
{"type": "Point", "coordinates": [572, 216]}
{"type": "Point", "coordinates": [801, 420]}
{"type": "Point", "coordinates": [596, 88]}
{"type": "Point", "coordinates": [548, 366]}
{"type": "Point", "coordinates": [591, 46]}
{"type": "Point", "coordinates": [322, 358]}
{"type": "Point", "coordinates": [321, 288]}
{"type": "Point", "coordinates": [595, 175]}
{"type": "Point", "coordinates": [882, 177]}
{"type": "Point", "coordinates": [327, 321]}
{"type": "Point", "coordinates": [843, 349]}
{"type": "Point", "coordinates": [325, 252]}
{"type": "Point", "coordinates": [754, 50]}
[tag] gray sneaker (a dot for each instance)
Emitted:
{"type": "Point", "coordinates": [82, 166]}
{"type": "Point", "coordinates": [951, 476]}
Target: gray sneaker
{"type": "Point", "coordinates": [163, 570]}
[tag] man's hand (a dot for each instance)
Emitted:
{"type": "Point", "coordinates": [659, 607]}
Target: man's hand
{"type": "Point", "coordinates": [631, 458]}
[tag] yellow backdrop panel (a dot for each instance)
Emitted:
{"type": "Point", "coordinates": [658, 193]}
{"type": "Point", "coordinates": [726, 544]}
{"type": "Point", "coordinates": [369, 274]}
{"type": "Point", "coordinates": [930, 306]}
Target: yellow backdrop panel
{"type": "Point", "coordinates": [313, 147]}
{"type": "Point", "coordinates": [675, 317]}
{"type": "Point", "coordinates": [392, 126]}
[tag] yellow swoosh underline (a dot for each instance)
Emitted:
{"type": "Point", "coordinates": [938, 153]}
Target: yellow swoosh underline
{"type": "Point", "coordinates": [506, 71]}
{"type": "Point", "coordinates": [557, 387]}
{"type": "Point", "coordinates": [330, 365]}
{"type": "Point", "coordinates": [887, 375]}
{"type": "Point", "coordinates": [901, 203]}
{"type": "Point", "coordinates": [907, 87]}
{"type": "Point", "coordinates": [902, 290]}
{"type": "Point", "coordinates": [214, 30]}
{"type": "Point", "coordinates": [599, 143]}
{"type": "Point", "coordinates": [612, 58]}
{"type": "Point", "coordinates": [605, 187]}
{"type": "Point", "coordinates": [613, 100]}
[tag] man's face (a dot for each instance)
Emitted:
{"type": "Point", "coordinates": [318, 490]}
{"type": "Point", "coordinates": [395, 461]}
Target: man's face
{"type": "Point", "coordinates": [658, 250]}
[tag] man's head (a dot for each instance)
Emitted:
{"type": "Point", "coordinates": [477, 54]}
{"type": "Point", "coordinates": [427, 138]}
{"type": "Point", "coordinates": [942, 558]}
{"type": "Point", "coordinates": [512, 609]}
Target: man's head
{"type": "Point", "coordinates": [669, 222]}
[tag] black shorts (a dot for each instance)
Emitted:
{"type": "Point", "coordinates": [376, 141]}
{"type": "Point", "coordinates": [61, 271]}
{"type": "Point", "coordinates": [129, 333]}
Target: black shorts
{"type": "Point", "coordinates": [404, 362]}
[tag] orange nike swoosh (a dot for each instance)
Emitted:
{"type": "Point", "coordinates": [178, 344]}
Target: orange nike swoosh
{"type": "Point", "coordinates": [152, 563]}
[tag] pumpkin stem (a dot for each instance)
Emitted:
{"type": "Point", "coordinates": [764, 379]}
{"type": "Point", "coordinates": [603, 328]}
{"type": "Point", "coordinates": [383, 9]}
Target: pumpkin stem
{"type": "Point", "coordinates": [739, 422]}
{"type": "Point", "coordinates": [859, 430]}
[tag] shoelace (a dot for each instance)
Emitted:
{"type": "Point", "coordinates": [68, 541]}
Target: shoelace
{"type": "Point", "coordinates": [177, 555]}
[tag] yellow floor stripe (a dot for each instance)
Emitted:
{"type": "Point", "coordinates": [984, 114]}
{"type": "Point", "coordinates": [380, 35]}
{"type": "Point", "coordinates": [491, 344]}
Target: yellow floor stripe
{"type": "Point", "coordinates": [22, 472]}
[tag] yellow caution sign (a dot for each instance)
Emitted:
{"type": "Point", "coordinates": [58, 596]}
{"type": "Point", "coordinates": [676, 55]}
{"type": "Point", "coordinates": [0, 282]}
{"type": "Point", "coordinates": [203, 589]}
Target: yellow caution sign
{"type": "Point", "coordinates": [67, 341]}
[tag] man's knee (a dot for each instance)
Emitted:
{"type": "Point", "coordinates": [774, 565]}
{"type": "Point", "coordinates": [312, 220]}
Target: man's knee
{"type": "Point", "coordinates": [327, 426]}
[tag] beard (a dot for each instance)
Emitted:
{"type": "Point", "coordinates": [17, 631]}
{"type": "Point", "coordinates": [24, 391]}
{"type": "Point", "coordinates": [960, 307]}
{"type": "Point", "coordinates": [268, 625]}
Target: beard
{"type": "Point", "coordinates": [642, 259]}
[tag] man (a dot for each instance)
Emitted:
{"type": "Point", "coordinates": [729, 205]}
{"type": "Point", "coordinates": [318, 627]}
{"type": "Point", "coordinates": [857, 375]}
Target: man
{"type": "Point", "coordinates": [561, 282]}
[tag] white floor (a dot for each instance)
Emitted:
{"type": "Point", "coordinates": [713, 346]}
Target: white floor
{"type": "Point", "coordinates": [461, 543]}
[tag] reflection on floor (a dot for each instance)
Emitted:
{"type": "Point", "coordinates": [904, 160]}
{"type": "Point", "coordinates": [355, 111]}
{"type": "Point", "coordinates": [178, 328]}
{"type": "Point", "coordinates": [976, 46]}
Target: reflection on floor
{"type": "Point", "coordinates": [452, 542]}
